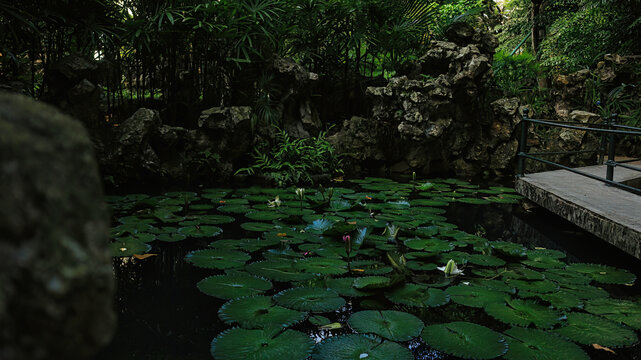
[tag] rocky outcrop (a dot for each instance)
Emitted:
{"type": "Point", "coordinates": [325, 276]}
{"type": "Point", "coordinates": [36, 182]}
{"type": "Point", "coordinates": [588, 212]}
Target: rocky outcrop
{"type": "Point", "coordinates": [434, 119]}
{"type": "Point", "coordinates": [72, 85]}
{"type": "Point", "coordinates": [56, 282]}
{"type": "Point", "coordinates": [145, 151]}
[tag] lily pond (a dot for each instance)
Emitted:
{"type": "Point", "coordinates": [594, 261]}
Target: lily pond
{"type": "Point", "coordinates": [370, 269]}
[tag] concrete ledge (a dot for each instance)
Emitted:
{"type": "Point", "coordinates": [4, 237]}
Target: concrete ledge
{"type": "Point", "coordinates": [608, 212]}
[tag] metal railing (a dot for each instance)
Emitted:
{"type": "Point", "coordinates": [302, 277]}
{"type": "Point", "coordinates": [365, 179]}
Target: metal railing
{"type": "Point", "coordinates": [609, 129]}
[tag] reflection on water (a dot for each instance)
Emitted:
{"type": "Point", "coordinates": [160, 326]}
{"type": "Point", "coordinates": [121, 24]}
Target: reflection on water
{"type": "Point", "coordinates": [164, 316]}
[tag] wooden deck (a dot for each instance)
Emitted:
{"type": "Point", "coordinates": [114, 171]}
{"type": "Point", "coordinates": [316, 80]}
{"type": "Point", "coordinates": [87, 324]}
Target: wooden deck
{"type": "Point", "coordinates": [610, 213]}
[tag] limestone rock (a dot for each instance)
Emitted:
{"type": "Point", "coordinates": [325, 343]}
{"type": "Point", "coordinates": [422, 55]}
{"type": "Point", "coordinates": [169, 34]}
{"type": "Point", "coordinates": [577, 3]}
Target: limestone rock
{"type": "Point", "coordinates": [584, 116]}
{"type": "Point", "coordinates": [56, 282]}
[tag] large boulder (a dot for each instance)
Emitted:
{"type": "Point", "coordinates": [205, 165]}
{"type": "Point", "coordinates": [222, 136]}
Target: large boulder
{"type": "Point", "coordinates": [56, 281]}
{"type": "Point", "coordinates": [434, 119]}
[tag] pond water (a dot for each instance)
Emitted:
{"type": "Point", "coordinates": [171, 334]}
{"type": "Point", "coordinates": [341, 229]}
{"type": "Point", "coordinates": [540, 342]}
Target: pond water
{"type": "Point", "coordinates": [265, 277]}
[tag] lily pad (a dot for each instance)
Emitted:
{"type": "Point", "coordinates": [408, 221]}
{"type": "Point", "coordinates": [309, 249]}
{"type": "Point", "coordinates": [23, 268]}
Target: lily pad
{"type": "Point", "coordinates": [200, 231]}
{"type": "Point", "coordinates": [217, 258]}
{"type": "Point", "coordinates": [474, 296]}
{"type": "Point", "coordinates": [524, 313]}
{"type": "Point", "coordinates": [233, 286]}
{"type": "Point", "coordinates": [243, 344]}
{"type": "Point", "coordinates": [465, 340]}
{"type": "Point", "coordinates": [321, 266]}
{"type": "Point", "coordinates": [603, 273]}
{"type": "Point", "coordinates": [358, 347]}
{"type": "Point", "coordinates": [589, 329]}
{"type": "Point", "coordinates": [344, 287]}
{"type": "Point", "coordinates": [389, 324]}
{"type": "Point", "coordinates": [533, 344]}
{"type": "Point", "coordinates": [418, 296]}
{"type": "Point", "coordinates": [278, 271]}
{"type": "Point", "coordinates": [310, 299]}
{"type": "Point", "coordinates": [257, 312]}
{"type": "Point", "coordinates": [622, 311]}
{"type": "Point", "coordinates": [125, 247]}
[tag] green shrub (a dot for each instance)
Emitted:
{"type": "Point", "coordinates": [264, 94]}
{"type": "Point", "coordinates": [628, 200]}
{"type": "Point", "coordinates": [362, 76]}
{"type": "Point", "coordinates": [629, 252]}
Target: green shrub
{"type": "Point", "coordinates": [295, 161]}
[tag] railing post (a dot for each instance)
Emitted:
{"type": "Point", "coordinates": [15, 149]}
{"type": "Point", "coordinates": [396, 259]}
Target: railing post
{"type": "Point", "coordinates": [611, 148]}
{"type": "Point", "coordinates": [523, 143]}
{"type": "Point", "coordinates": [604, 141]}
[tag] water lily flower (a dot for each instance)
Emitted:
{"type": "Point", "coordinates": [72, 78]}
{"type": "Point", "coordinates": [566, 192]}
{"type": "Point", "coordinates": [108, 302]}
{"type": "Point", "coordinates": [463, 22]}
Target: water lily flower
{"type": "Point", "coordinates": [300, 192]}
{"type": "Point", "coordinates": [275, 203]}
{"type": "Point", "coordinates": [346, 238]}
{"type": "Point", "coordinates": [450, 269]}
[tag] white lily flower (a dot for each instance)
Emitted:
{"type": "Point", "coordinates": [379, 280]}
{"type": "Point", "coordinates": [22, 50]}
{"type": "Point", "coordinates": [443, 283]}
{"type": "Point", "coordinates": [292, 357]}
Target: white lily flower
{"type": "Point", "coordinates": [450, 269]}
{"type": "Point", "coordinates": [275, 203]}
{"type": "Point", "coordinates": [300, 192]}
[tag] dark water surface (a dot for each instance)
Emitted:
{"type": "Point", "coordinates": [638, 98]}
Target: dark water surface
{"type": "Point", "coordinates": [162, 315]}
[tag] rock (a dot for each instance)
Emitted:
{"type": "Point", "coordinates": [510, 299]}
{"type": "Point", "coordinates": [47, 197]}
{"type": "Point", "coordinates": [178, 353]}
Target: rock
{"type": "Point", "coordinates": [56, 281]}
{"type": "Point", "coordinates": [224, 118]}
{"type": "Point", "coordinates": [584, 116]}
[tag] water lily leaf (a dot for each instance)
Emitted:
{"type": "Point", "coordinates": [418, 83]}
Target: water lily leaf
{"type": "Point", "coordinates": [310, 299]}
{"type": "Point", "coordinates": [603, 273]}
{"type": "Point", "coordinates": [562, 300]}
{"type": "Point", "coordinates": [171, 237]}
{"type": "Point", "coordinates": [258, 226]}
{"type": "Point", "coordinates": [321, 266]}
{"type": "Point", "coordinates": [233, 286]}
{"type": "Point", "coordinates": [428, 202]}
{"type": "Point", "coordinates": [200, 231]}
{"type": "Point", "coordinates": [474, 296]}
{"type": "Point", "coordinates": [217, 258]}
{"type": "Point", "coordinates": [533, 344]}
{"type": "Point", "coordinates": [563, 276]}
{"type": "Point", "coordinates": [370, 267]}
{"type": "Point", "coordinates": [234, 208]}
{"type": "Point", "coordinates": [622, 311]}
{"type": "Point", "coordinates": [474, 201]}
{"type": "Point", "coordinates": [524, 313]}
{"type": "Point", "coordinates": [521, 272]}
{"type": "Point", "coordinates": [466, 340]}
{"type": "Point", "coordinates": [371, 282]}
{"type": "Point", "coordinates": [477, 259]}
{"type": "Point", "coordinates": [420, 265]}
{"type": "Point", "coordinates": [265, 215]}
{"type": "Point", "coordinates": [536, 286]}
{"type": "Point", "coordinates": [243, 344]}
{"type": "Point", "coordinates": [509, 249]}
{"type": "Point", "coordinates": [125, 247]}
{"type": "Point", "coordinates": [358, 347]}
{"type": "Point", "coordinates": [585, 292]}
{"type": "Point", "coordinates": [430, 245]}
{"type": "Point", "coordinates": [544, 259]}
{"type": "Point", "coordinates": [418, 296]}
{"type": "Point", "coordinates": [245, 244]}
{"type": "Point", "coordinates": [389, 324]}
{"type": "Point", "coordinates": [257, 312]}
{"type": "Point", "coordinates": [319, 320]}
{"type": "Point", "coordinates": [339, 205]}
{"type": "Point", "coordinates": [278, 270]}
{"type": "Point", "coordinates": [589, 329]}
{"type": "Point", "coordinates": [345, 287]}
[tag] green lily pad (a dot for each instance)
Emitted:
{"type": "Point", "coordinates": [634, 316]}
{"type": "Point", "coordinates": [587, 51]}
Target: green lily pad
{"type": "Point", "coordinates": [310, 299]}
{"type": "Point", "coordinates": [465, 340]}
{"type": "Point", "coordinates": [257, 312]}
{"type": "Point", "coordinates": [418, 296]}
{"type": "Point", "coordinates": [524, 313]}
{"type": "Point", "coordinates": [358, 347]}
{"type": "Point", "coordinates": [217, 258]}
{"type": "Point", "coordinates": [243, 344]}
{"type": "Point", "coordinates": [233, 286]}
{"type": "Point", "coordinates": [126, 247]}
{"type": "Point", "coordinates": [622, 311]}
{"type": "Point", "coordinates": [200, 231]}
{"type": "Point", "coordinates": [345, 287]}
{"type": "Point", "coordinates": [603, 273]}
{"type": "Point", "coordinates": [474, 296]}
{"type": "Point", "coordinates": [265, 215]}
{"type": "Point", "coordinates": [430, 245]}
{"type": "Point", "coordinates": [278, 270]}
{"type": "Point", "coordinates": [533, 344]}
{"type": "Point", "coordinates": [321, 266]}
{"type": "Point", "coordinates": [389, 324]}
{"type": "Point", "coordinates": [589, 329]}
{"type": "Point", "coordinates": [371, 282]}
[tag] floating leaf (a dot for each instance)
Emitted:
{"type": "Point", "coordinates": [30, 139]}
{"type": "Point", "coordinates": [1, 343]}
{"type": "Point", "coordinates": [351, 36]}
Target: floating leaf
{"type": "Point", "coordinates": [200, 231]}
{"type": "Point", "coordinates": [233, 286]}
{"type": "Point", "coordinates": [358, 347]}
{"type": "Point", "coordinates": [243, 344]}
{"type": "Point", "coordinates": [371, 282]}
{"type": "Point", "coordinates": [430, 245]}
{"type": "Point", "coordinates": [474, 296]}
{"type": "Point", "coordinates": [344, 287]}
{"type": "Point", "coordinates": [390, 324]}
{"type": "Point", "coordinates": [265, 215]}
{"type": "Point", "coordinates": [321, 266]}
{"type": "Point", "coordinates": [310, 299]}
{"type": "Point", "coordinates": [622, 311]}
{"type": "Point", "coordinates": [217, 258]}
{"type": "Point", "coordinates": [589, 329]}
{"type": "Point", "coordinates": [524, 313]}
{"type": "Point", "coordinates": [533, 344]}
{"type": "Point", "coordinates": [257, 312]}
{"type": "Point", "coordinates": [509, 249]}
{"type": "Point", "coordinates": [319, 320]}
{"type": "Point", "coordinates": [603, 273]}
{"type": "Point", "coordinates": [278, 270]}
{"type": "Point", "coordinates": [418, 296]}
{"type": "Point", "coordinates": [465, 340]}
{"type": "Point", "coordinates": [536, 286]}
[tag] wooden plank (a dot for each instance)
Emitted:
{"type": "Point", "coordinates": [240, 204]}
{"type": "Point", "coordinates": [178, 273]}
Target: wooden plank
{"type": "Point", "coordinates": [608, 212]}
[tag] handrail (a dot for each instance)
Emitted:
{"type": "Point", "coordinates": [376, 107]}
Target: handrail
{"type": "Point", "coordinates": [608, 137]}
